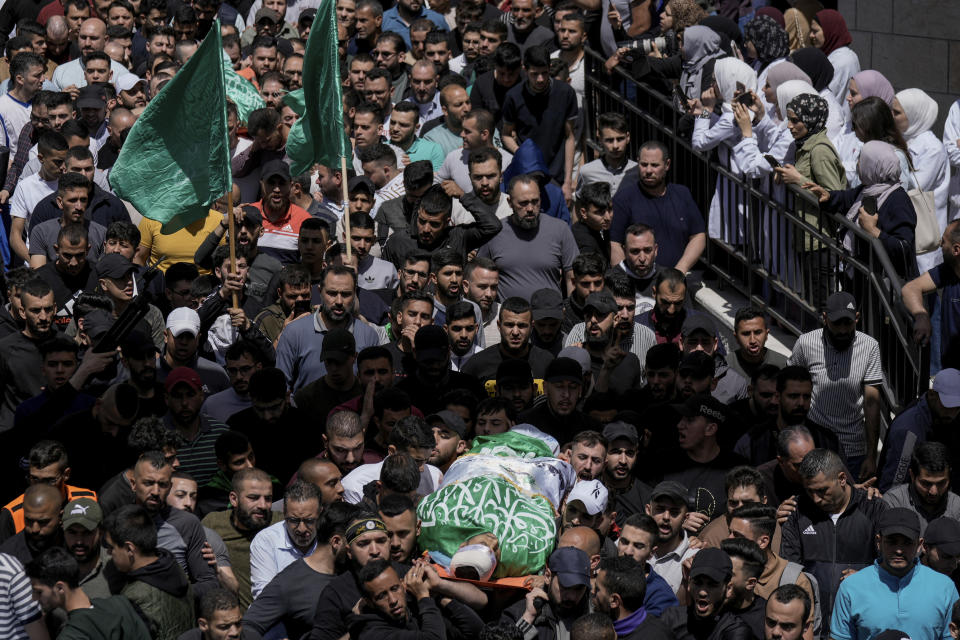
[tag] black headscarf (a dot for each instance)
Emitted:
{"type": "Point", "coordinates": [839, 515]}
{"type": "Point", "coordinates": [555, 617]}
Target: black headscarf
{"type": "Point", "coordinates": [728, 30]}
{"type": "Point", "coordinates": [815, 64]}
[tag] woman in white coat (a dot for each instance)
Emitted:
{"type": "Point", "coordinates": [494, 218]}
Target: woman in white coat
{"type": "Point", "coordinates": [863, 85]}
{"type": "Point", "coordinates": [731, 78]}
{"type": "Point", "coordinates": [951, 142]}
{"type": "Point", "coordinates": [828, 31]}
{"type": "Point", "coordinates": [915, 112]}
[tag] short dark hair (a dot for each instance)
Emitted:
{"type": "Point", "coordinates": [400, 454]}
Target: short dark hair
{"type": "Point", "coordinates": [230, 443]}
{"type": "Point", "coordinates": [396, 503]}
{"type": "Point", "coordinates": [131, 523]}
{"type": "Point", "coordinates": [417, 174]}
{"type": "Point", "coordinates": [301, 491]}
{"type": "Point", "coordinates": [267, 384]}
{"type": "Point", "coordinates": [293, 275]}
{"type": "Point", "coordinates": [536, 56]}
{"type": "Point", "coordinates": [412, 432]}
{"type": "Point", "coordinates": [390, 399]}
{"type": "Point", "coordinates": [479, 156]}
{"type": "Point", "coordinates": [673, 277]}
{"type": "Point", "coordinates": [793, 373]}
{"type": "Point", "coordinates": [623, 576]}
{"type": "Point", "coordinates": [745, 476]}
{"type": "Point", "coordinates": [588, 264]}
{"type": "Point", "coordinates": [613, 120]}
{"type": "Point", "coordinates": [58, 344]}
{"type": "Point", "coordinates": [787, 593]}
{"type": "Point", "coordinates": [460, 310]}
{"type": "Point", "coordinates": [515, 304]}
{"type": "Point", "coordinates": [655, 145]}
{"type": "Point", "coordinates": [489, 406]}
{"type": "Point", "coordinates": [764, 372]}
{"type": "Point", "coordinates": [54, 565]}
{"type": "Point", "coordinates": [436, 201]}
{"type": "Point", "coordinates": [400, 473]}
{"type": "Point", "coordinates": [51, 141]}
{"type": "Point", "coordinates": [507, 55]}
{"type": "Point", "coordinates": [749, 553]}
{"type": "Point", "coordinates": [371, 571]}
{"type": "Point", "coordinates": [505, 631]}
{"type": "Point", "coordinates": [762, 517]}
{"type": "Point", "coordinates": [125, 231]}
{"type": "Point", "coordinates": [593, 626]}
{"type": "Point", "coordinates": [748, 313]}
{"type": "Point", "coordinates": [48, 452]}
{"type": "Point", "coordinates": [596, 194]}
{"type": "Point", "coordinates": [266, 119]}
{"type": "Point", "coordinates": [377, 152]}
{"type": "Point", "coordinates": [217, 599]}
{"type": "Point", "coordinates": [933, 457]}
{"type": "Point", "coordinates": [643, 522]}
{"type": "Point", "coordinates": [373, 353]}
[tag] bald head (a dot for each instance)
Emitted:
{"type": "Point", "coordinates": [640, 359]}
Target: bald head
{"type": "Point", "coordinates": [314, 469]}
{"type": "Point", "coordinates": [42, 497]}
{"type": "Point", "coordinates": [583, 538]}
{"type": "Point", "coordinates": [324, 475]}
{"type": "Point", "coordinates": [424, 67]}
{"type": "Point", "coordinates": [93, 35]}
{"type": "Point", "coordinates": [57, 28]}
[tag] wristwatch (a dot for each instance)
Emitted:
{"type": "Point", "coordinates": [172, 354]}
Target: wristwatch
{"type": "Point", "coordinates": [705, 114]}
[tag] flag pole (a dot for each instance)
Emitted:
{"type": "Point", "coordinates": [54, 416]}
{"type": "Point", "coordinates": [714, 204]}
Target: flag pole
{"type": "Point", "coordinates": [346, 205]}
{"type": "Point", "coordinates": [232, 240]}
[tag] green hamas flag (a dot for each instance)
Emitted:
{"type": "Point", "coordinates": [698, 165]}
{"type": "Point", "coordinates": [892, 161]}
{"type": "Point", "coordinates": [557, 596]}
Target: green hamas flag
{"type": "Point", "coordinates": [240, 91]}
{"type": "Point", "coordinates": [318, 135]}
{"type": "Point", "coordinates": [176, 160]}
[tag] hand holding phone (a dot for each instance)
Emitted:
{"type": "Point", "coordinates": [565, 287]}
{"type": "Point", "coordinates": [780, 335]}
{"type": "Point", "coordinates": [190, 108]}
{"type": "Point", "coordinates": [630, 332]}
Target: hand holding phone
{"type": "Point", "coordinates": [773, 162]}
{"type": "Point", "coordinates": [870, 204]}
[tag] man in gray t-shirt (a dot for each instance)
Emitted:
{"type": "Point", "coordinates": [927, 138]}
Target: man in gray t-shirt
{"type": "Point", "coordinates": [532, 251]}
{"type": "Point", "coordinates": [43, 241]}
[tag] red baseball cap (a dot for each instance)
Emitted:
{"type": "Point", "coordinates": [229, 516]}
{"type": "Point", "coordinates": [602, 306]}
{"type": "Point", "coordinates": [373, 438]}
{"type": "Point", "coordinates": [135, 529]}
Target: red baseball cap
{"type": "Point", "coordinates": [185, 375]}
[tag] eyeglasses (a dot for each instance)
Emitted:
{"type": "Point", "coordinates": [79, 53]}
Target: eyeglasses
{"type": "Point", "coordinates": [296, 522]}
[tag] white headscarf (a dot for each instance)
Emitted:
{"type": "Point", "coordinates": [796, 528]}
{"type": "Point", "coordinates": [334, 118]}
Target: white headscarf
{"type": "Point", "coordinates": [790, 90]}
{"type": "Point", "coordinates": [728, 72]}
{"type": "Point", "coordinates": [920, 109]}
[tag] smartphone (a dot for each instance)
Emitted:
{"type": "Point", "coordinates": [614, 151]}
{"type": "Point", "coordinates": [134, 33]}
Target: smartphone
{"type": "Point", "coordinates": [746, 99]}
{"type": "Point", "coordinates": [870, 204]}
{"type": "Point", "coordinates": [300, 307]}
{"type": "Point", "coordinates": [773, 162]}
{"type": "Point", "coordinates": [681, 102]}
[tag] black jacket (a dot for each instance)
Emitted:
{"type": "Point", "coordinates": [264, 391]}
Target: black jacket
{"type": "Point", "coordinates": [336, 604]}
{"type": "Point", "coordinates": [563, 428]}
{"type": "Point", "coordinates": [546, 623]}
{"type": "Point", "coordinates": [652, 628]}
{"type": "Point", "coordinates": [826, 549]}
{"type": "Point", "coordinates": [726, 626]}
{"type": "Point", "coordinates": [424, 621]}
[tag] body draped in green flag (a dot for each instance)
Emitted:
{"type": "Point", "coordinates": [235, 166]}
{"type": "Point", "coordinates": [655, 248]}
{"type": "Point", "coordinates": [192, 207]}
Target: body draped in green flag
{"type": "Point", "coordinates": [176, 160]}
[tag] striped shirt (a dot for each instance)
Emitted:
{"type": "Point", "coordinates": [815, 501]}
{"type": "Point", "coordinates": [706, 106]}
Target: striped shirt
{"type": "Point", "coordinates": [280, 237]}
{"type": "Point", "coordinates": [838, 381]}
{"type": "Point", "coordinates": [17, 606]}
{"type": "Point", "coordinates": [197, 457]}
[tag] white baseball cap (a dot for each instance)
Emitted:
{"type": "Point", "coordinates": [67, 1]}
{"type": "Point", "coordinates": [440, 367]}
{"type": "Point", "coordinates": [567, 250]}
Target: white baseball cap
{"type": "Point", "coordinates": [592, 494]}
{"type": "Point", "coordinates": [128, 81]}
{"type": "Point", "coordinates": [183, 319]}
{"type": "Point", "coordinates": [947, 385]}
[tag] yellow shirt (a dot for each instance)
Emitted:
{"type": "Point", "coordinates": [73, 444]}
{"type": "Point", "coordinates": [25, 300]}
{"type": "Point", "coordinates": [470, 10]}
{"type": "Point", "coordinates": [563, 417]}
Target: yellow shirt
{"type": "Point", "coordinates": [179, 246]}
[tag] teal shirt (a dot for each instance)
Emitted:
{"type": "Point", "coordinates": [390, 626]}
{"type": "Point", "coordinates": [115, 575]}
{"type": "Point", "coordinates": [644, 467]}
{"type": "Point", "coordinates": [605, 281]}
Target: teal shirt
{"type": "Point", "coordinates": [447, 140]}
{"type": "Point", "coordinates": [425, 150]}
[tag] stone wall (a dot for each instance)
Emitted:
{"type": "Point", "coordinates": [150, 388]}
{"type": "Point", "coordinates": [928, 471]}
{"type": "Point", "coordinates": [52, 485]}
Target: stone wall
{"type": "Point", "coordinates": [914, 43]}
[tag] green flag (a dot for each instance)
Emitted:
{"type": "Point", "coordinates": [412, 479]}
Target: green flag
{"type": "Point", "coordinates": [176, 160]}
{"type": "Point", "coordinates": [241, 91]}
{"type": "Point", "coordinates": [318, 135]}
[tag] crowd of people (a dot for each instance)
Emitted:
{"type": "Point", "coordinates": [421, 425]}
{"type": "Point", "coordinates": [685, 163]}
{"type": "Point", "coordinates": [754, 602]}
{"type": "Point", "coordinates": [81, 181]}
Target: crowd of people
{"type": "Point", "coordinates": [474, 402]}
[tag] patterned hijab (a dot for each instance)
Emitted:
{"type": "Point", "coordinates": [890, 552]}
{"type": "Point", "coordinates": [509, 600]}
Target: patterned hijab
{"type": "Point", "coordinates": [790, 90]}
{"type": "Point", "coordinates": [812, 111]}
{"type": "Point", "coordinates": [768, 38]}
{"type": "Point", "coordinates": [835, 33]}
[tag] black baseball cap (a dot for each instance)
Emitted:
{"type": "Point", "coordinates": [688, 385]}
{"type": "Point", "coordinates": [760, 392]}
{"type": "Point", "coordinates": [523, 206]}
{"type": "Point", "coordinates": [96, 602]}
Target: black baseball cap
{"type": "Point", "coordinates": [602, 301]}
{"type": "Point", "coordinates": [97, 322]}
{"type": "Point", "coordinates": [275, 168]}
{"type": "Point", "coordinates": [546, 303]}
{"type": "Point", "coordinates": [891, 634]}
{"type": "Point", "coordinates": [698, 364]}
{"type": "Point", "coordinates": [114, 265]}
{"type": "Point", "coordinates": [698, 322]}
{"type": "Point", "coordinates": [670, 489]}
{"type": "Point", "coordinates": [307, 15]}
{"type": "Point", "coordinates": [841, 306]}
{"type": "Point", "coordinates": [360, 182]}
{"type": "Point", "coordinates": [705, 405]}
{"type": "Point", "coordinates": [450, 420]}
{"type": "Point", "coordinates": [338, 345]}
{"type": "Point", "coordinates": [514, 371]}
{"type": "Point", "coordinates": [92, 96]}
{"type": "Point", "coordinates": [138, 344]}
{"type": "Point", "coordinates": [899, 520]}
{"type": "Point", "coordinates": [252, 215]}
{"type": "Point", "coordinates": [944, 534]}
{"type": "Point", "coordinates": [571, 566]}
{"type": "Point", "coordinates": [431, 343]}
{"type": "Point", "coordinates": [665, 355]}
{"type": "Point", "coordinates": [619, 429]}
{"type": "Point", "coordinates": [564, 369]}
{"type": "Point", "coordinates": [713, 563]}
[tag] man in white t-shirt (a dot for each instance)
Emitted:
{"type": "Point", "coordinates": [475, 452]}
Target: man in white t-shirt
{"type": "Point", "coordinates": [411, 443]}
{"type": "Point", "coordinates": [26, 78]}
{"type": "Point", "coordinates": [52, 152]}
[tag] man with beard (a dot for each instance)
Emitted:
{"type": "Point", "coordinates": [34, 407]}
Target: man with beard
{"type": "Point", "coordinates": [455, 103]}
{"type": "Point", "coordinates": [339, 384]}
{"type": "Point", "coordinates": [300, 346]}
{"type": "Point", "coordinates": [281, 218]}
{"type": "Point", "coordinates": [747, 562]}
{"type": "Point", "coordinates": [628, 494]}
{"type": "Point", "coordinates": [549, 612]}
{"type": "Point", "coordinates": [559, 415]}
{"type": "Point", "coordinates": [404, 118]}
{"type": "Point", "coordinates": [699, 333]}
{"type": "Point", "coordinates": [667, 208]}
{"type": "Point", "coordinates": [669, 506]}
{"type": "Point", "coordinates": [928, 491]}
{"type": "Point", "coordinates": [848, 403]}
{"type": "Point", "coordinates": [182, 349]}
{"type": "Point", "coordinates": [706, 589]}
{"type": "Point", "coordinates": [637, 540]}
{"type": "Point", "coordinates": [584, 506]}
{"type": "Point", "coordinates": [398, 18]}
{"type": "Point", "coordinates": [272, 422]}
{"type": "Point", "coordinates": [178, 532]}
{"type": "Point", "coordinates": [291, 597]}
{"type": "Point", "coordinates": [758, 410]}
{"type": "Point", "coordinates": [587, 453]}
{"type": "Point", "coordinates": [669, 312]}
{"type": "Point", "coordinates": [138, 355]}
{"type": "Point", "coordinates": [614, 369]}
{"type": "Point", "coordinates": [945, 276]}
{"type": "Point", "coordinates": [547, 307]}
{"type": "Point", "coordinates": [588, 270]}
{"type": "Point", "coordinates": [592, 231]}
{"type": "Point", "coordinates": [930, 418]}
{"type": "Point", "coordinates": [461, 325]}
{"type": "Point", "coordinates": [42, 505]}
{"type": "Point", "coordinates": [293, 300]}
{"type": "Point", "coordinates": [184, 397]}
{"type": "Point", "coordinates": [399, 513]}
{"type": "Point", "coordinates": [451, 433]}
{"type": "Point", "coordinates": [456, 174]}
{"type": "Point", "coordinates": [619, 591]}
{"type": "Point", "coordinates": [532, 251]}
{"type": "Point", "coordinates": [249, 513]}
{"type": "Point", "coordinates": [446, 276]}
{"type": "Point", "coordinates": [283, 543]}
{"type": "Point", "coordinates": [751, 331]}
{"type": "Point", "coordinates": [791, 404]}
{"type": "Point", "coordinates": [432, 229]}
{"type": "Point", "coordinates": [432, 377]}
{"type": "Point", "coordinates": [640, 264]}
{"type": "Point", "coordinates": [481, 280]}
{"type": "Point", "coordinates": [21, 367]}
{"type": "Point", "coordinates": [242, 359]}
{"type": "Point", "coordinates": [82, 538]}
{"type": "Point", "coordinates": [515, 325]}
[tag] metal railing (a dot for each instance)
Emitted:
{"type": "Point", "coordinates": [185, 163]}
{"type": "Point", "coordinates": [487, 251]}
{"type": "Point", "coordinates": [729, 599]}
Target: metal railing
{"type": "Point", "coordinates": [771, 244]}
